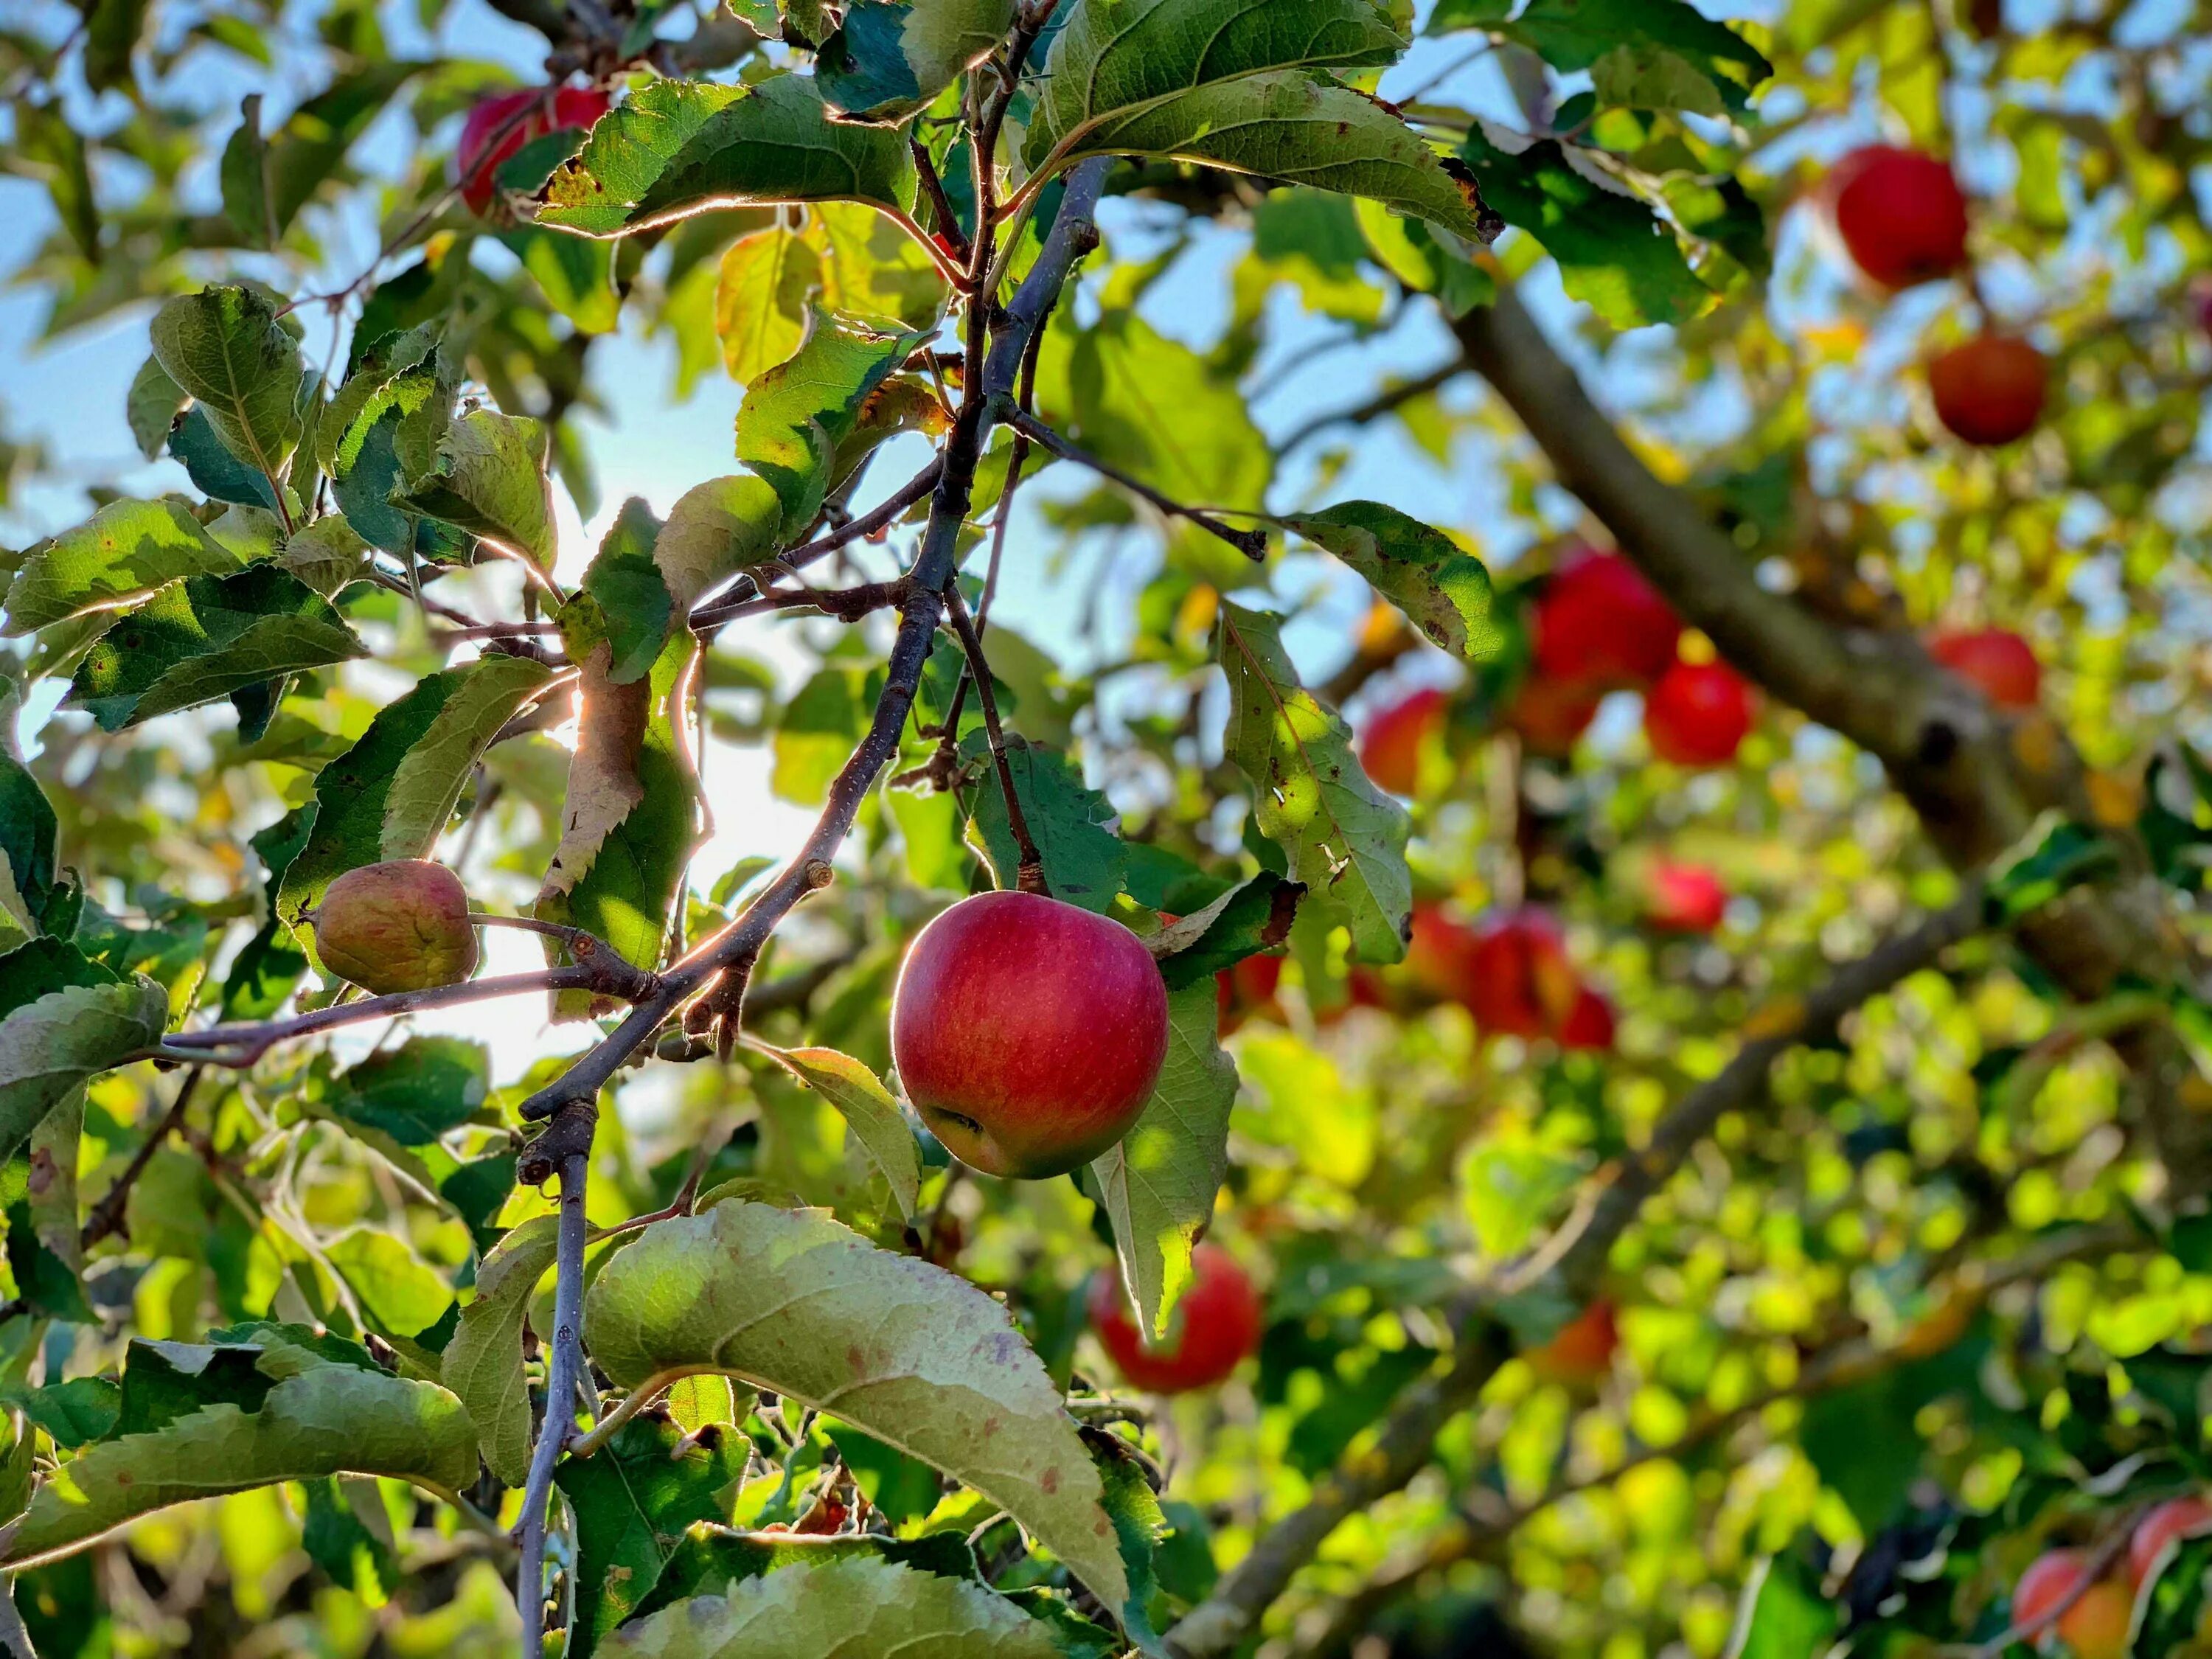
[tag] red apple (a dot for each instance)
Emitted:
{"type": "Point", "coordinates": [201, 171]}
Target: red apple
{"type": "Point", "coordinates": [399, 926]}
{"type": "Point", "coordinates": [1212, 1328]}
{"type": "Point", "coordinates": [1589, 1025]}
{"type": "Point", "coordinates": [1581, 1352]}
{"type": "Point", "coordinates": [1597, 622]}
{"type": "Point", "coordinates": [1028, 1033]}
{"type": "Point", "coordinates": [1996, 659]}
{"type": "Point", "coordinates": [1900, 213]}
{"type": "Point", "coordinates": [1990, 390]}
{"type": "Point", "coordinates": [1551, 715]}
{"type": "Point", "coordinates": [1390, 749]}
{"type": "Point", "coordinates": [2048, 1581]}
{"type": "Point", "coordinates": [1440, 952]}
{"type": "Point", "coordinates": [1698, 713]}
{"type": "Point", "coordinates": [1247, 989]}
{"type": "Point", "coordinates": [2178, 1517]}
{"type": "Point", "coordinates": [498, 127]}
{"type": "Point", "coordinates": [1683, 898]}
{"type": "Point", "coordinates": [1518, 981]}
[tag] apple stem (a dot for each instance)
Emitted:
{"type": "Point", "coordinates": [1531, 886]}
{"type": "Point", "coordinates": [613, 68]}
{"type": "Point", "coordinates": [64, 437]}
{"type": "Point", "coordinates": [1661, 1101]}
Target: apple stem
{"type": "Point", "coordinates": [1030, 871]}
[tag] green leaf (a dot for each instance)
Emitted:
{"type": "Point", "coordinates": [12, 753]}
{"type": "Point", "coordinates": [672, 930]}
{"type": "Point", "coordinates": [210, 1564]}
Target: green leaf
{"type": "Point", "coordinates": [381, 433]}
{"type": "Point", "coordinates": [630, 818]}
{"type": "Point", "coordinates": [1614, 253]}
{"type": "Point", "coordinates": [1119, 60]}
{"type": "Point", "coordinates": [205, 637]}
{"type": "Point", "coordinates": [51, 1045]}
{"type": "Point", "coordinates": [1244, 920]}
{"type": "Point", "coordinates": [1134, 1509]}
{"type": "Point", "coordinates": [1159, 1182]}
{"type": "Point", "coordinates": [325, 1419]}
{"type": "Point", "coordinates": [75, 1413]}
{"type": "Point", "coordinates": [327, 555]}
{"type": "Point", "coordinates": [416, 1092]}
{"type": "Point", "coordinates": [1075, 828]}
{"type": "Point", "coordinates": [267, 181]}
{"type": "Point", "coordinates": [1444, 591]}
{"type": "Point", "coordinates": [151, 406]}
{"type": "Point", "coordinates": [1643, 54]}
{"type": "Point", "coordinates": [488, 479]}
{"type": "Point", "coordinates": [631, 604]}
{"type": "Point", "coordinates": [1784, 1614]}
{"type": "Point", "coordinates": [122, 552]}
{"type": "Point", "coordinates": [47, 147]}
{"type": "Point", "coordinates": [214, 471]}
{"type": "Point", "coordinates": [389, 796]}
{"type": "Point", "coordinates": [401, 1294]}
{"type": "Point", "coordinates": [633, 1500]}
{"type": "Point", "coordinates": [28, 828]}
{"type": "Point", "coordinates": [715, 530]}
{"type": "Point", "coordinates": [761, 300]}
{"type": "Point", "coordinates": [675, 148]}
{"type": "Point", "coordinates": [2063, 856]}
{"type": "Point", "coordinates": [225, 348]}
{"type": "Point", "coordinates": [858, 1606]}
{"type": "Point", "coordinates": [890, 59]}
{"type": "Point", "coordinates": [902, 1349]}
{"type": "Point", "coordinates": [795, 415]}
{"type": "Point", "coordinates": [483, 1365]}
{"type": "Point", "coordinates": [710, 1558]}
{"type": "Point", "coordinates": [868, 1110]}
{"type": "Point", "coordinates": [1295, 128]}
{"type": "Point", "coordinates": [111, 32]}
{"type": "Point", "coordinates": [575, 274]}
{"type": "Point", "coordinates": [1345, 839]}
{"type": "Point", "coordinates": [816, 730]}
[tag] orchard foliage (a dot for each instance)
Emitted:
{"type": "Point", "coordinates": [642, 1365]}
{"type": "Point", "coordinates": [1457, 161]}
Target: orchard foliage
{"type": "Point", "coordinates": [1611, 1051]}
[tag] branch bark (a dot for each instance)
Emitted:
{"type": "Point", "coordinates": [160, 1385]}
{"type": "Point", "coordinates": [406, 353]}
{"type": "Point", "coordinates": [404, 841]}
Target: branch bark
{"type": "Point", "coordinates": [1976, 778]}
{"type": "Point", "coordinates": [1574, 1255]}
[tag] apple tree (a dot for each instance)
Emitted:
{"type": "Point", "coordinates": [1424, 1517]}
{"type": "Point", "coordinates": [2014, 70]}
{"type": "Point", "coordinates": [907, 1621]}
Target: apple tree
{"type": "Point", "coordinates": [1405, 856]}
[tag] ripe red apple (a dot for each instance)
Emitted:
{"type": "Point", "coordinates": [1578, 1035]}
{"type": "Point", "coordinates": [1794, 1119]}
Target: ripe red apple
{"type": "Point", "coordinates": [2178, 1517]}
{"type": "Point", "coordinates": [1698, 713]}
{"type": "Point", "coordinates": [1598, 623]}
{"type": "Point", "coordinates": [1683, 898]}
{"type": "Point", "coordinates": [1996, 659]}
{"type": "Point", "coordinates": [1988, 391]}
{"type": "Point", "coordinates": [1518, 981]}
{"type": "Point", "coordinates": [2049, 1580]}
{"type": "Point", "coordinates": [1214, 1327]}
{"type": "Point", "coordinates": [1581, 1352]}
{"type": "Point", "coordinates": [1028, 1033]}
{"type": "Point", "coordinates": [1551, 715]}
{"type": "Point", "coordinates": [1589, 1025]}
{"type": "Point", "coordinates": [1390, 749]}
{"type": "Point", "coordinates": [399, 926]}
{"type": "Point", "coordinates": [1247, 989]}
{"type": "Point", "coordinates": [1900, 213]}
{"type": "Point", "coordinates": [498, 127]}
{"type": "Point", "coordinates": [1439, 952]}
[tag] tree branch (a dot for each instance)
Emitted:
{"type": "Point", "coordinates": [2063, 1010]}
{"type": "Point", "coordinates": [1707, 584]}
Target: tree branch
{"type": "Point", "coordinates": [1030, 875]}
{"type": "Point", "coordinates": [1574, 1255]}
{"type": "Point", "coordinates": [739, 601]}
{"type": "Point", "coordinates": [1978, 779]}
{"type": "Point", "coordinates": [1252, 544]}
{"type": "Point", "coordinates": [1375, 407]}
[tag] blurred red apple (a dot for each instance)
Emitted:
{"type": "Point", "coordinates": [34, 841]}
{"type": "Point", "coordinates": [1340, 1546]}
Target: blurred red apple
{"type": "Point", "coordinates": [1698, 713]}
{"type": "Point", "coordinates": [1212, 1328]}
{"type": "Point", "coordinates": [1996, 659]}
{"type": "Point", "coordinates": [1390, 749]}
{"type": "Point", "coordinates": [1597, 623]}
{"type": "Point", "coordinates": [1581, 1352]}
{"type": "Point", "coordinates": [1900, 213]}
{"type": "Point", "coordinates": [2049, 1580]}
{"type": "Point", "coordinates": [1551, 715]}
{"type": "Point", "coordinates": [2178, 1517]}
{"type": "Point", "coordinates": [498, 127]}
{"type": "Point", "coordinates": [1588, 1026]}
{"type": "Point", "coordinates": [1988, 391]}
{"type": "Point", "coordinates": [1247, 989]}
{"type": "Point", "coordinates": [1683, 898]}
{"type": "Point", "coordinates": [1440, 952]}
{"type": "Point", "coordinates": [1518, 980]}
{"type": "Point", "coordinates": [1028, 1033]}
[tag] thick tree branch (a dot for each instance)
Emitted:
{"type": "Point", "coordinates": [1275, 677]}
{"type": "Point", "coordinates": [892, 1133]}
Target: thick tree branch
{"type": "Point", "coordinates": [1976, 779]}
{"type": "Point", "coordinates": [1574, 1256]}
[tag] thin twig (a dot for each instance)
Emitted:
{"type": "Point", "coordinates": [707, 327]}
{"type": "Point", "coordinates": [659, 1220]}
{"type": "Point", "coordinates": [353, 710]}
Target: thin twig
{"type": "Point", "coordinates": [706, 618]}
{"type": "Point", "coordinates": [1391, 397]}
{"type": "Point", "coordinates": [1252, 544]}
{"type": "Point", "coordinates": [562, 1368]}
{"type": "Point", "coordinates": [1030, 874]}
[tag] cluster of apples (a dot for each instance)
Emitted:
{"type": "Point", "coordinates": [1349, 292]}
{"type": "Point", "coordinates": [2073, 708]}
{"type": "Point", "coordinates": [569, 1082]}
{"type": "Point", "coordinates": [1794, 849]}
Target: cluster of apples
{"type": "Point", "coordinates": [1596, 626]}
{"type": "Point", "coordinates": [2095, 1620]}
{"type": "Point", "coordinates": [1512, 972]}
{"type": "Point", "coordinates": [1902, 217]}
